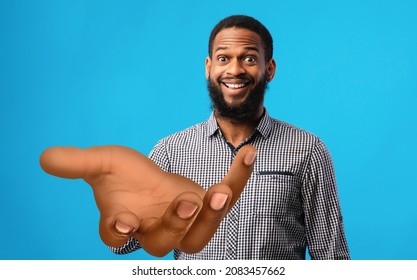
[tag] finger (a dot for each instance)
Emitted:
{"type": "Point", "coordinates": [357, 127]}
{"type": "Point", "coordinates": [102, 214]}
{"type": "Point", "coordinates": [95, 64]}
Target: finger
{"type": "Point", "coordinates": [116, 229]}
{"type": "Point", "coordinates": [240, 171]}
{"type": "Point", "coordinates": [159, 237]}
{"type": "Point", "coordinates": [219, 199]}
{"type": "Point", "coordinates": [71, 162]}
{"type": "Point", "coordinates": [214, 209]}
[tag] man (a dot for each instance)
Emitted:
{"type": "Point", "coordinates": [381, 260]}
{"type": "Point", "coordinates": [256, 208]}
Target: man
{"type": "Point", "coordinates": [290, 201]}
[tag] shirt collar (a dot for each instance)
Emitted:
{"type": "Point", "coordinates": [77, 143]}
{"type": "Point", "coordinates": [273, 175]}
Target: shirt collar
{"type": "Point", "coordinates": [264, 127]}
{"type": "Point", "coordinates": [213, 127]}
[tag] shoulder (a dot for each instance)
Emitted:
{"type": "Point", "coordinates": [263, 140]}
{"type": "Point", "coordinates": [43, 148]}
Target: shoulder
{"type": "Point", "coordinates": [300, 143]}
{"type": "Point", "coordinates": [180, 144]}
{"type": "Point", "coordinates": [293, 138]}
{"type": "Point", "coordinates": [194, 132]}
{"type": "Point", "coordinates": [188, 139]}
{"type": "Point", "coordinates": [284, 130]}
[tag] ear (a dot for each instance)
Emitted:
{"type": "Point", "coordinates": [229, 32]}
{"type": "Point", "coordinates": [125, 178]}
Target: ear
{"type": "Point", "coordinates": [270, 69]}
{"type": "Point", "coordinates": [208, 66]}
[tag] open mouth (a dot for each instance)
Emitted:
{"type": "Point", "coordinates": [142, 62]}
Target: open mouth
{"type": "Point", "coordinates": [236, 86]}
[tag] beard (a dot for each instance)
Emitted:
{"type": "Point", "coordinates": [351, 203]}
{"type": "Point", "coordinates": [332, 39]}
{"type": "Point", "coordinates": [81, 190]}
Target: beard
{"type": "Point", "coordinates": [246, 111]}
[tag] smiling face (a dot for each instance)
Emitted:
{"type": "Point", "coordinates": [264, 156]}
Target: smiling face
{"type": "Point", "coordinates": [237, 74]}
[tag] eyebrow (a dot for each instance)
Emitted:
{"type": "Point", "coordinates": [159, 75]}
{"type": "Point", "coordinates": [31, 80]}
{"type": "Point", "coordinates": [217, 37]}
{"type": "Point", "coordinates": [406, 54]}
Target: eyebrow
{"type": "Point", "coordinates": [249, 48]}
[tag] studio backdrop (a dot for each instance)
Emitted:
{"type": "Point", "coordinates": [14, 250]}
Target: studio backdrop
{"type": "Point", "coordinates": [86, 73]}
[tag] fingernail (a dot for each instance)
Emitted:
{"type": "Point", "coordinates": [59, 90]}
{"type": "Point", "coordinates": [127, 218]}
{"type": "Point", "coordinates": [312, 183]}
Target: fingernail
{"type": "Point", "coordinates": [250, 158]}
{"type": "Point", "coordinates": [122, 228]}
{"type": "Point", "coordinates": [218, 200]}
{"type": "Point", "coordinates": [186, 209]}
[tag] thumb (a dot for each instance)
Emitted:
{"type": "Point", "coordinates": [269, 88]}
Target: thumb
{"type": "Point", "coordinates": [240, 171]}
{"type": "Point", "coordinates": [71, 162]}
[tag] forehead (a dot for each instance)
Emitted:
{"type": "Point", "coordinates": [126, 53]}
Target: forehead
{"type": "Point", "coordinates": [237, 38]}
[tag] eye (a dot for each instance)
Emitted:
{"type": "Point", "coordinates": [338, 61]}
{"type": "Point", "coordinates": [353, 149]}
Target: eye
{"type": "Point", "coordinates": [250, 59]}
{"type": "Point", "coordinates": [222, 58]}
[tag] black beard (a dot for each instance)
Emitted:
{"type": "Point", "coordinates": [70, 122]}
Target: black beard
{"type": "Point", "coordinates": [246, 111]}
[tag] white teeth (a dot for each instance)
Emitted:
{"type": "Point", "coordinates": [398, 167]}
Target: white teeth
{"type": "Point", "coordinates": [235, 85]}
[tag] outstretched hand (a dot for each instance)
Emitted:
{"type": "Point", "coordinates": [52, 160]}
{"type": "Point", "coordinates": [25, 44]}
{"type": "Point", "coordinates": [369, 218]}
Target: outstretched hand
{"type": "Point", "coordinates": [136, 198]}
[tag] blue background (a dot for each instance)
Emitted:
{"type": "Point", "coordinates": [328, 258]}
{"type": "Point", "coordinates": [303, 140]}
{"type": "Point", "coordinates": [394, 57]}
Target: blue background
{"type": "Point", "coordinates": [84, 73]}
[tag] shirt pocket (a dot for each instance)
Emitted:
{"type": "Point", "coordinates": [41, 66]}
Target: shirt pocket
{"type": "Point", "coordinates": [276, 193]}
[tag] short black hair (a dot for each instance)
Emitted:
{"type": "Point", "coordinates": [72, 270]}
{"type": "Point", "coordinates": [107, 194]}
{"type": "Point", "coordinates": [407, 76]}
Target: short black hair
{"type": "Point", "coordinates": [244, 22]}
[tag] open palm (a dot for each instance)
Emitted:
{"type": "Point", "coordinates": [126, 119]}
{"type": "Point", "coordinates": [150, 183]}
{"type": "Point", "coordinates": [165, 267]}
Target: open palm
{"type": "Point", "coordinates": [137, 199]}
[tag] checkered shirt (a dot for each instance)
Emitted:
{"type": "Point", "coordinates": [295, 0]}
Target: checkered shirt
{"type": "Point", "coordinates": [290, 202]}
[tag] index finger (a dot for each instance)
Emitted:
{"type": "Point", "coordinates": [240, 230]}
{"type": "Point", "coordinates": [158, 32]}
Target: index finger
{"type": "Point", "coordinates": [213, 212]}
{"type": "Point", "coordinates": [240, 171]}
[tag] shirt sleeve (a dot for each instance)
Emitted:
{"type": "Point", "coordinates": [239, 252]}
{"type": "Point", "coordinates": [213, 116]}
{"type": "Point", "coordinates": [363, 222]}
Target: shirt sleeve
{"type": "Point", "coordinates": [159, 156]}
{"type": "Point", "coordinates": [323, 218]}
{"type": "Point", "coordinates": [130, 246]}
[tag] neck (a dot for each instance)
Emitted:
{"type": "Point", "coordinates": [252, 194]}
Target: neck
{"type": "Point", "coordinates": [235, 132]}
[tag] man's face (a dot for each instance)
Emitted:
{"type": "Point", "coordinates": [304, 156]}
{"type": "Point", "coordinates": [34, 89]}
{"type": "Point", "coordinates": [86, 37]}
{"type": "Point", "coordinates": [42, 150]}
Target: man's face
{"type": "Point", "coordinates": [237, 74]}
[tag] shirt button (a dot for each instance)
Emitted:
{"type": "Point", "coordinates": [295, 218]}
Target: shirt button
{"type": "Point", "coordinates": [233, 218]}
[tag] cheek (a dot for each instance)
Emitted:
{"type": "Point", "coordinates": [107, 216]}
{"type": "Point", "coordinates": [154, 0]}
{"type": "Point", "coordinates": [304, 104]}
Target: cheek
{"type": "Point", "coordinates": [260, 75]}
{"type": "Point", "coordinates": [214, 82]}
{"type": "Point", "coordinates": [216, 70]}
{"type": "Point", "coordinates": [214, 76]}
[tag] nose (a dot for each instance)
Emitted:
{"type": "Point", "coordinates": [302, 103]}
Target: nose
{"type": "Point", "coordinates": [235, 68]}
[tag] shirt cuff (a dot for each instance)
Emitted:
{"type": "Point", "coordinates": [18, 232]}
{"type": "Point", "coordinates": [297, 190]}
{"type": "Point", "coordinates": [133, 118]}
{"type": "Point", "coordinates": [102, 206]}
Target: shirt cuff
{"type": "Point", "coordinates": [130, 246]}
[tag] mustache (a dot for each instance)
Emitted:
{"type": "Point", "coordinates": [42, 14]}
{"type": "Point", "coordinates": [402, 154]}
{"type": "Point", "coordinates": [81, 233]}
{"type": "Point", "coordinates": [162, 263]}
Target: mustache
{"type": "Point", "coordinates": [232, 77]}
